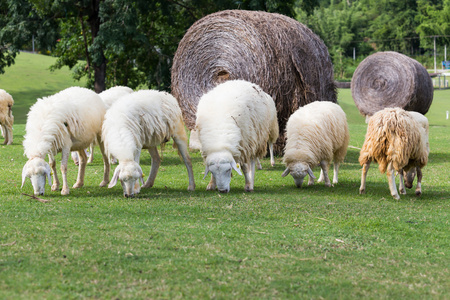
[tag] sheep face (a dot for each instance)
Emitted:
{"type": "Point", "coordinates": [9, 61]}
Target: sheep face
{"type": "Point", "coordinates": [409, 177]}
{"type": "Point", "coordinates": [129, 173]}
{"type": "Point", "coordinates": [220, 166]}
{"type": "Point", "coordinates": [298, 172]}
{"type": "Point", "coordinates": [38, 170]}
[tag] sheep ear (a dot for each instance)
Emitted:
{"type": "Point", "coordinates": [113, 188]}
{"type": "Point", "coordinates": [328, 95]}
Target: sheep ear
{"type": "Point", "coordinates": [310, 173]}
{"type": "Point", "coordinates": [206, 172]}
{"type": "Point", "coordinates": [286, 172]}
{"type": "Point", "coordinates": [114, 178]}
{"type": "Point", "coordinates": [234, 166]}
{"type": "Point", "coordinates": [48, 172]}
{"type": "Point", "coordinates": [24, 175]}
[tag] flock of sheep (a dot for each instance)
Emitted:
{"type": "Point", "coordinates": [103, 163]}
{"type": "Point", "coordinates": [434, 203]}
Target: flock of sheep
{"type": "Point", "coordinates": [235, 122]}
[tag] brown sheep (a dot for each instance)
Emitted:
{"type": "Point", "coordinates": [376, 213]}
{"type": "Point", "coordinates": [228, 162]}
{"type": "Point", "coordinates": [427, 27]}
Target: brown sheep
{"type": "Point", "coordinates": [6, 117]}
{"type": "Point", "coordinates": [396, 141]}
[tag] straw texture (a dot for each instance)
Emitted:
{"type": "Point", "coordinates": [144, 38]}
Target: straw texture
{"type": "Point", "coordinates": [391, 79]}
{"type": "Point", "coordinates": [285, 58]}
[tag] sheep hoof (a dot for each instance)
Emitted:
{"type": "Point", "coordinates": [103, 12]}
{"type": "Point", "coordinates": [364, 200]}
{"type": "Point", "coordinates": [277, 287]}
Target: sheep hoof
{"type": "Point", "coordinates": [55, 187]}
{"type": "Point", "coordinates": [77, 185]}
{"type": "Point", "coordinates": [397, 197]}
{"type": "Point", "coordinates": [103, 183]}
{"type": "Point", "coordinates": [65, 192]}
{"type": "Point", "coordinates": [191, 188]}
{"type": "Point", "coordinates": [362, 191]}
{"type": "Point", "coordinates": [247, 189]}
{"type": "Point", "coordinates": [210, 187]}
{"type": "Point", "coordinates": [418, 192]}
{"type": "Point", "coordinates": [328, 184]}
{"type": "Point", "coordinates": [403, 192]}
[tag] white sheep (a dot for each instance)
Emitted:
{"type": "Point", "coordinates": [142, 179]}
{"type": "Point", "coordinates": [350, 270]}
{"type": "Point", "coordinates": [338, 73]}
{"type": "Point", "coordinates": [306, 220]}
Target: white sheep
{"type": "Point", "coordinates": [397, 142]}
{"type": "Point", "coordinates": [6, 117]}
{"type": "Point", "coordinates": [144, 119]}
{"type": "Point", "coordinates": [316, 134]}
{"type": "Point", "coordinates": [235, 121]}
{"type": "Point", "coordinates": [410, 175]}
{"type": "Point", "coordinates": [108, 96]}
{"type": "Point", "coordinates": [62, 123]}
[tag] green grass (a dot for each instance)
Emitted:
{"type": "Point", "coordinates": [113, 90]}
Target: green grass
{"type": "Point", "coordinates": [30, 78]}
{"type": "Point", "coordinates": [277, 242]}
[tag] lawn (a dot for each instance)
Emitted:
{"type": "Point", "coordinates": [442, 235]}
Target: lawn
{"type": "Point", "coordinates": [276, 242]}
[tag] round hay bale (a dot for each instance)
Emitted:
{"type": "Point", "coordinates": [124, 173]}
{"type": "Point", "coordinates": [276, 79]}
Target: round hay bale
{"type": "Point", "coordinates": [391, 79]}
{"type": "Point", "coordinates": [284, 57]}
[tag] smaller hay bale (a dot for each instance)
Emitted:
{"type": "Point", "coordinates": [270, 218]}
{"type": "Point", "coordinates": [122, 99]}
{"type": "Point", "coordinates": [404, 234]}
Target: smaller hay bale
{"type": "Point", "coordinates": [391, 79]}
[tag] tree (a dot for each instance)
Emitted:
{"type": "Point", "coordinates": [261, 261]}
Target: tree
{"type": "Point", "coordinates": [123, 42]}
{"type": "Point", "coordinates": [19, 23]}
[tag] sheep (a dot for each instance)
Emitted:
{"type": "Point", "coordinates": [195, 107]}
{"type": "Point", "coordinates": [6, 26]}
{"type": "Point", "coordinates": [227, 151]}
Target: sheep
{"type": "Point", "coordinates": [62, 123]}
{"type": "Point", "coordinates": [316, 134]}
{"type": "Point", "coordinates": [144, 119]}
{"type": "Point", "coordinates": [397, 142]}
{"type": "Point", "coordinates": [108, 96]}
{"type": "Point", "coordinates": [409, 176]}
{"type": "Point", "coordinates": [235, 121]}
{"type": "Point", "coordinates": [6, 116]}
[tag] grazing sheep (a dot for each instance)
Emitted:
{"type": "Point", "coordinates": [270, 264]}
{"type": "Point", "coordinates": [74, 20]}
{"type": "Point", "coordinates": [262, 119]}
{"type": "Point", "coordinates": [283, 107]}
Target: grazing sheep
{"type": "Point", "coordinates": [62, 123]}
{"type": "Point", "coordinates": [316, 134]}
{"type": "Point", "coordinates": [144, 119]}
{"type": "Point", "coordinates": [235, 121]}
{"type": "Point", "coordinates": [108, 96]}
{"type": "Point", "coordinates": [6, 117]}
{"type": "Point", "coordinates": [410, 175]}
{"type": "Point", "coordinates": [397, 142]}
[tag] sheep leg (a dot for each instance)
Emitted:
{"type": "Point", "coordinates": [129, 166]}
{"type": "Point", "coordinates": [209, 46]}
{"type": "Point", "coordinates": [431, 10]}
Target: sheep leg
{"type": "Point", "coordinates": [320, 176]}
{"type": "Point", "coordinates": [419, 182]}
{"type": "Point", "coordinates": [106, 165]}
{"type": "Point", "coordinates": [74, 155]}
{"type": "Point", "coordinates": [249, 174]}
{"type": "Point", "coordinates": [64, 159]}
{"type": "Point", "coordinates": [336, 172]}
{"type": "Point", "coordinates": [401, 184]}
{"type": "Point", "coordinates": [52, 163]}
{"type": "Point", "coordinates": [212, 184]}
{"type": "Point", "coordinates": [272, 159]}
{"type": "Point", "coordinates": [5, 133]}
{"type": "Point", "coordinates": [81, 169]}
{"type": "Point", "coordinates": [183, 151]}
{"type": "Point", "coordinates": [365, 169]}
{"type": "Point", "coordinates": [91, 153]}
{"type": "Point", "coordinates": [324, 173]}
{"type": "Point", "coordinates": [156, 162]}
{"type": "Point", "coordinates": [390, 172]}
{"type": "Point", "coordinates": [258, 164]}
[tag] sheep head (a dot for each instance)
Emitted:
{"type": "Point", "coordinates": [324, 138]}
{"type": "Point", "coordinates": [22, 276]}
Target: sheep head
{"type": "Point", "coordinates": [129, 173]}
{"type": "Point", "coordinates": [298, 171]}
{"type": "Point", "coordinates": [220, 165]}
{"type": "Point", "coordinates": [409, 177]}
{"type": "Point", "coordinates": [38, 170]}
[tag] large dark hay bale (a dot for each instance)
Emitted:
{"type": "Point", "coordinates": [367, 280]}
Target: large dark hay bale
{"type": "Point", "coordinates": [284, 57]}
{"type": "Point", "coordinates": [391, 79]}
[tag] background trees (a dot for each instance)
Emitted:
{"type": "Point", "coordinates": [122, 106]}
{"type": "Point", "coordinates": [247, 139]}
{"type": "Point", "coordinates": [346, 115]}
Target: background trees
{"type": "Point", "coordinates": [122, 42]}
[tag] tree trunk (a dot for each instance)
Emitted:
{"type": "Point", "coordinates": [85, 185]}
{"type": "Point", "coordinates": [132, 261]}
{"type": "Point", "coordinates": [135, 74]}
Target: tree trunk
{"type": "Point", "coordinates": [98, 65]}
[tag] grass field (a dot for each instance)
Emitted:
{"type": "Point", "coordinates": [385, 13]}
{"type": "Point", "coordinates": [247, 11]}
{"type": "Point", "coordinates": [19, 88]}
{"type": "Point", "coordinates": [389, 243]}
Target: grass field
{"type": "Point", "coordinates": [276, 242]}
